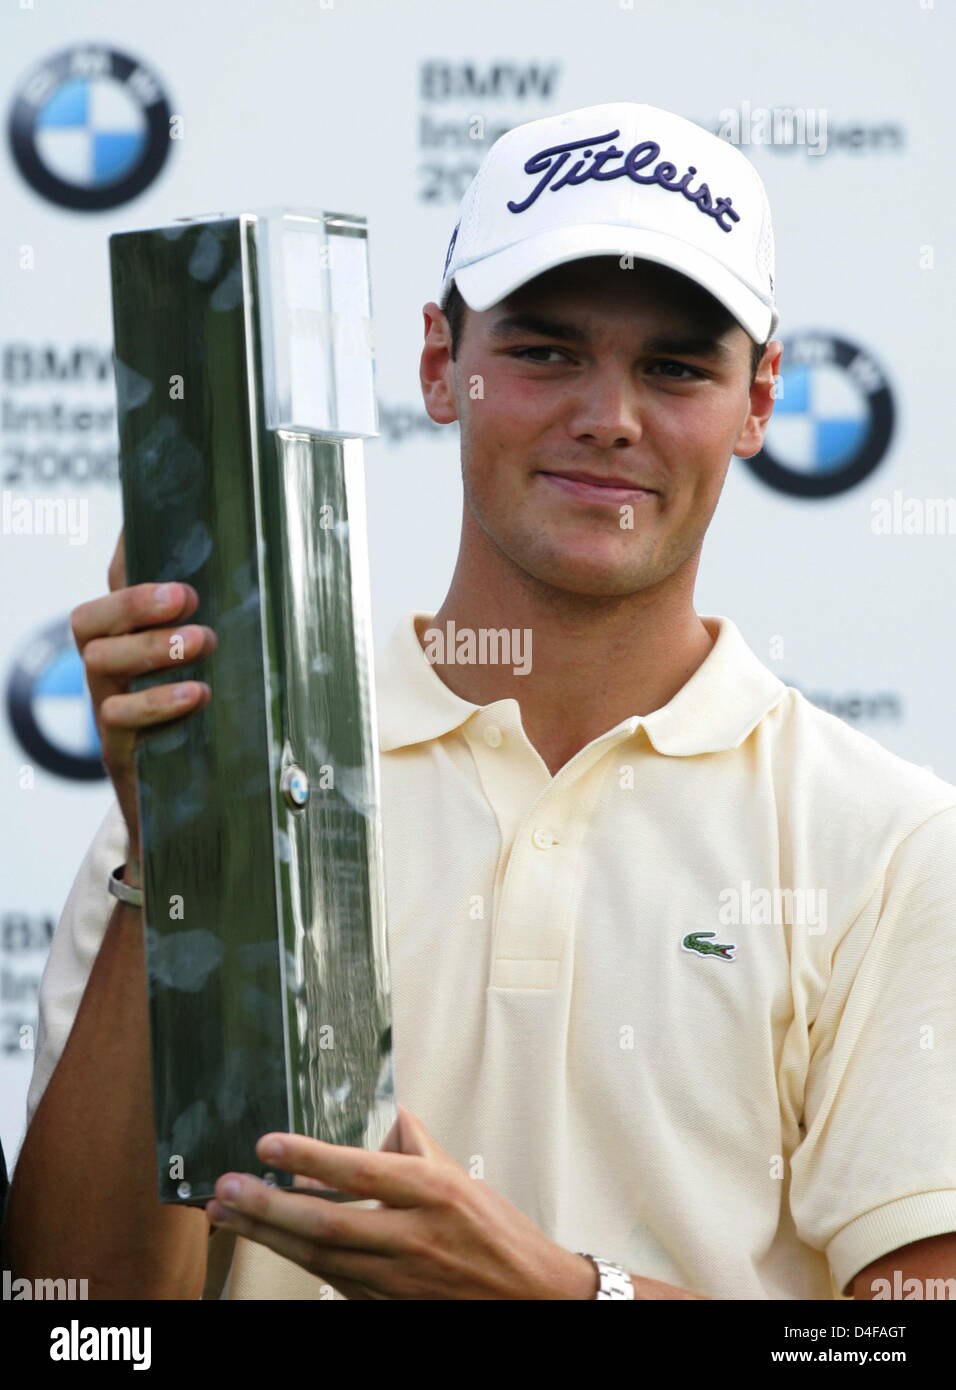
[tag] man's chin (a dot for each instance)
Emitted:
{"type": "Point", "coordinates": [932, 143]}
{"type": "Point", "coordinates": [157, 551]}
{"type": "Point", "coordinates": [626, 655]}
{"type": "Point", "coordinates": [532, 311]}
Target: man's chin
{"type": "Point", "coordinates": [595, 581]}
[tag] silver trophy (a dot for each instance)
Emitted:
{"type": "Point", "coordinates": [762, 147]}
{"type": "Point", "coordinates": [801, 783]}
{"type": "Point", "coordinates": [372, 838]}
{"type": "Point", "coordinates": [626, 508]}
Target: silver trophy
{"type": "Point", "coordinates": [244, 375]}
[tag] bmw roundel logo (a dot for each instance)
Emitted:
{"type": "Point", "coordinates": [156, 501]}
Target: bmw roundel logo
{"type": "Point", "coordinates": [49, 706]}
{"type": "Point", "coordinates": [832, 420]}
{"type": "Point", "coordinates": [89, 128]}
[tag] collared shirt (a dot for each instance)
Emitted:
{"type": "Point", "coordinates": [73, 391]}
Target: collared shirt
{"type": "Point", "coordinates": [689, 1003]}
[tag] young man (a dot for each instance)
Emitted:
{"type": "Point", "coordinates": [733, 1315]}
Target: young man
{"type": "Point", "coordinates": [673, 966]}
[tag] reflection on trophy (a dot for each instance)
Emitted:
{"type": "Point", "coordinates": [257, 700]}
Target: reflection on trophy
{"type": "Point", "coordinates": [244, 371]}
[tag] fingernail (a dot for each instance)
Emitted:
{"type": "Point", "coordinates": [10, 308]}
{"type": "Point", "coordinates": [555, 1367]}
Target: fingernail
{"type": "Point", "coordinates": [183, 692]}
{"type": "Point", "coordinates": [273, 1149]}
{"type": "Point", "coordinates": [229, 1191]}
{"type": "Point", "coordinates": [163, 596]}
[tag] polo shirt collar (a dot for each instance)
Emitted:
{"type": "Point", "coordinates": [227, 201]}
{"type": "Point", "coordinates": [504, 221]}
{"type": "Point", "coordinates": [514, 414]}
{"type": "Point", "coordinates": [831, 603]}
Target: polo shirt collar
{"type": "Point", "coordinates": [721, 703]}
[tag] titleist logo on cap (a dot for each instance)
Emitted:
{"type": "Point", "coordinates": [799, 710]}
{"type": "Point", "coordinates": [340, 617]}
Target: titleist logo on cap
{"type": "Point", "coordinates": [551, 160]}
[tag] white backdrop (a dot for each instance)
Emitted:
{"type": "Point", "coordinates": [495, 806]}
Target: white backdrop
{"type": "Point", "coordinates": [366, 106]}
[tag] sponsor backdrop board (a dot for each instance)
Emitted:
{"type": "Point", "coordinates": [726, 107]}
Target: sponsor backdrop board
{"type": "Point", "coordinates": [833, 550]}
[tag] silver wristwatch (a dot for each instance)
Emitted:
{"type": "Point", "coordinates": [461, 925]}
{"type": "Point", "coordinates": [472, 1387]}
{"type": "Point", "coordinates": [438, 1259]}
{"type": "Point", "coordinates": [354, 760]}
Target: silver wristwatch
{"type": "Point", "coordinates": [125, 891]}
{"type": "Point", "coordinates": [615, 1282]}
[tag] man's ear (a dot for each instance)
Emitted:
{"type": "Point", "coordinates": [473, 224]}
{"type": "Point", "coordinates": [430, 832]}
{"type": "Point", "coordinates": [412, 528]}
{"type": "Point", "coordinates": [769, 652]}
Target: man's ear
{"type": "Point", "coordinates": [763, 394]}
{"type": "Point", "coordinates": [436, 368]}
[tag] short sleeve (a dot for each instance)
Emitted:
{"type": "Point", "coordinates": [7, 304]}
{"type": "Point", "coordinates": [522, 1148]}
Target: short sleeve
{"type": "Point", "coordinates": [876, 1168]}
{"type": "Point", "coordinates": [76, 941]}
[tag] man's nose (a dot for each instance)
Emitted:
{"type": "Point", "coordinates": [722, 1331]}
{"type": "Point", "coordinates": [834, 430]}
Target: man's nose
{"type": "Point", "coordinates": [608, 411]}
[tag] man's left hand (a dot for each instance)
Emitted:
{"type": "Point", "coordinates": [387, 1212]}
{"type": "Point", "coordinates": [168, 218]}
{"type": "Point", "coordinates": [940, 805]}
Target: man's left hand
{"type": "Point", "coordinates": [437, 1232]}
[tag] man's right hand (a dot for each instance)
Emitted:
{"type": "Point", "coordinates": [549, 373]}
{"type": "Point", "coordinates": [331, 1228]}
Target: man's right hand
{"type": "Point", "coordinates": [127, 633]}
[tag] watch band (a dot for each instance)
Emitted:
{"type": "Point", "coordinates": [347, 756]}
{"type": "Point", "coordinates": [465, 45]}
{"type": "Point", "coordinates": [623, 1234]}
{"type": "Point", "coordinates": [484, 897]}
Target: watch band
{"type": "Point", "coordinates": [615, 1282]}
{"type": "Point", "coordinates": [124, 891]}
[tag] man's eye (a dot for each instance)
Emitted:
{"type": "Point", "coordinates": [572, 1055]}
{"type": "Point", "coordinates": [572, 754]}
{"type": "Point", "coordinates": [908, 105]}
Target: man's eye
{"type": "Point", "coordinates": [520, 352]}
{"type": "Point", "coordinates": [682, 367]}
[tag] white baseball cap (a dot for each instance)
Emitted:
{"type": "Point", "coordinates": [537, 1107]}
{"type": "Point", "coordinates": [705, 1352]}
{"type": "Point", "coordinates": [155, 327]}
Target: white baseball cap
{"type": "Point", "coordinates": [617, 179]}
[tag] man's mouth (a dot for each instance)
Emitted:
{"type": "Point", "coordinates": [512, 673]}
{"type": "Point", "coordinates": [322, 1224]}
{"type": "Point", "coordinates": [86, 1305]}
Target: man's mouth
{"type": "Point", "coordinates": [592, 487]}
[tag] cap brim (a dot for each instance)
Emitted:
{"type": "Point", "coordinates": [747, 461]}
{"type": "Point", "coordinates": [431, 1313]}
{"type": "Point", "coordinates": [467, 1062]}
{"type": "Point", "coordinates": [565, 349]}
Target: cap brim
{"type": "Point", "coordinates": [491, 279]}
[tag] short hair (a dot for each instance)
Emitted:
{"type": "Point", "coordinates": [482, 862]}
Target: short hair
{"type": "Point", "coordinates": [455, 308]}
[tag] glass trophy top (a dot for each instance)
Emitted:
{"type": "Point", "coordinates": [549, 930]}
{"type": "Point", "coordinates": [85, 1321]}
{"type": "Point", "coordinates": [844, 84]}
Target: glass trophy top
{"type": "Point", "coordinates": [315, 316]}
{"type": "Point", "coordinates": [306, 273]}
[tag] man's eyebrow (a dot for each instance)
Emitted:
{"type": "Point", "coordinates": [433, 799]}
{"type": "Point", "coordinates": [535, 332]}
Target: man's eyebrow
{"type": "Point", "coordinates": [661, 344]}
{"type": "Point", "coordinates": [688, 345]}
{"type": "Point", "coordinates": [513, 325]}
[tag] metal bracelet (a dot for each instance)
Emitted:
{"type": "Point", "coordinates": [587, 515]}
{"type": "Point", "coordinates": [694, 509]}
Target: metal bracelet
{"type": "Point", "coordinates": [614, 1282]}
{"type": "Point", "coordinates": [124, 891]}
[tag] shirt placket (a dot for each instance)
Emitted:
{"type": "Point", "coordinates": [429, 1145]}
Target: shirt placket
{"type": "Point", "coordinates": [542, 821]}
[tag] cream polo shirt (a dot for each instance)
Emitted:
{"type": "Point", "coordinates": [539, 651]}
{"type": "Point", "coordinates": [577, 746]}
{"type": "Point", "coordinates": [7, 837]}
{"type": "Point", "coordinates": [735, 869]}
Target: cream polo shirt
{"type": "Point", "coordinates": [607, 1006]}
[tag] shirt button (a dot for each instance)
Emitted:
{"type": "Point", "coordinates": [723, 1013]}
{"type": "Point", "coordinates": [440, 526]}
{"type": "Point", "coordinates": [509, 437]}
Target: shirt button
{"type": "Point", "coordinates": [543, 838]}
{"type": "Point", "coordinates": [493, 736]}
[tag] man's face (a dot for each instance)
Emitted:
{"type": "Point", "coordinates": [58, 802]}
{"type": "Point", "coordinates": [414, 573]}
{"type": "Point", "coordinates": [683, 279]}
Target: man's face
{"type": "Point", "coordinates": [593, 369]}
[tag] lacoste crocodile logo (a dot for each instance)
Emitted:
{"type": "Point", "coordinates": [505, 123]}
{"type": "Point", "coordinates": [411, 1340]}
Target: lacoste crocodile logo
{"type": "Point", "coordinates": [697, 941]}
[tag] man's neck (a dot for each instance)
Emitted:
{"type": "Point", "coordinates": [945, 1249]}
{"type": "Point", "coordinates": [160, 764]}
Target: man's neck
{"type": "Point", "coordinates": [593, 663]}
